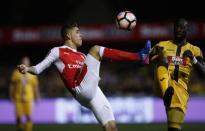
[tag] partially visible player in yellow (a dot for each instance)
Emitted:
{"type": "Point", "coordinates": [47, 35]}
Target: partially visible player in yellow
{"type": "Point", "coordinates": [173, 61]}
{"type": "Point", "coordinates": [23, 91]}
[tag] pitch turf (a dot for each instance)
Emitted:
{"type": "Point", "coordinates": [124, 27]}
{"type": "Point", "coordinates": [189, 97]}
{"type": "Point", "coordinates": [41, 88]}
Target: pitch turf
{"type": "Point", "coordinates": [95, 127]}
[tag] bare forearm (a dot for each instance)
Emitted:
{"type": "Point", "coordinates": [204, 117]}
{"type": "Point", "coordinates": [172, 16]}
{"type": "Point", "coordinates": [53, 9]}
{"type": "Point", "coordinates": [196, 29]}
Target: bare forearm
{"type": "Point", "coordinates": [201, 67]}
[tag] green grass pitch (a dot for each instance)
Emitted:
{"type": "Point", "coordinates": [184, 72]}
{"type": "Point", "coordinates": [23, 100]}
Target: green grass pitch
{"type": "Point", "coordinates": [96, 127]}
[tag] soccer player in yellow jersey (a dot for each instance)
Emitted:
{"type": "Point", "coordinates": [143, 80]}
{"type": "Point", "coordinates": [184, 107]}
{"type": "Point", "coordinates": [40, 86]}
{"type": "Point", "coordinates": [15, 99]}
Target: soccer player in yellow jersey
{"type": "Point", "coordinates": [173, 61]}
{"type": "Point", "coordinates": [23, 90]}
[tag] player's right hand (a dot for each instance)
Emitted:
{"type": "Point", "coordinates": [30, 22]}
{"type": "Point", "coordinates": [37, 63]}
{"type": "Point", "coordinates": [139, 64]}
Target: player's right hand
{"type": "Point", "coordinates": [22, 68]}
{"type": "Point", "coordinates": [159, 50]}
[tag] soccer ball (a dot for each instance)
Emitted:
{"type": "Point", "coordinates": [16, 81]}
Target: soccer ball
{"type": "Point", "coordinates": [126, 20]}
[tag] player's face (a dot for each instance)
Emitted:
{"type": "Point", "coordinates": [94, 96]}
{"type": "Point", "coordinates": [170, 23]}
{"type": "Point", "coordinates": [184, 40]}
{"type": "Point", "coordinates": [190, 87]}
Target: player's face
{"type": "Point", "coordinates": [26, 61]}
{"type": "Point", "coordinates": [180, 29]}
{"type": "Point", "coordinates": [76, 36]}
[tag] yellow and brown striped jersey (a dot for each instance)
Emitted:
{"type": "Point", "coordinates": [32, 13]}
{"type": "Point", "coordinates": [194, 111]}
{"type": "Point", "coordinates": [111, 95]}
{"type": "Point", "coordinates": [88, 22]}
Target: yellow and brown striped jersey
{"type": "Point", "coordinates": [179, 67]}
{"type": "Point", "coordinates": [25, 85]}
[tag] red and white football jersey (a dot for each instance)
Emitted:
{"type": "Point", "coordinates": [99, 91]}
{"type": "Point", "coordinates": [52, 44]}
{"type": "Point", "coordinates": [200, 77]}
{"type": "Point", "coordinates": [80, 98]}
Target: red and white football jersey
{"type": "Point", "coordinates": [69, 62]}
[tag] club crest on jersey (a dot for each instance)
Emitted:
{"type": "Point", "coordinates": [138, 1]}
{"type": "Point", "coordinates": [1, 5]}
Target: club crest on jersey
{"type": "Point", "coordinates": [176, 60]}
{"type": "Point", "coordinates": [66, 53]}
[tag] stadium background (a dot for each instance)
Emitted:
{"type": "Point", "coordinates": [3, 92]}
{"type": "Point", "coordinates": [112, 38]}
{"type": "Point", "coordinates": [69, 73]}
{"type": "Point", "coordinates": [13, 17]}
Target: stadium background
{"type": "Point", "coordinates": [29, 27]}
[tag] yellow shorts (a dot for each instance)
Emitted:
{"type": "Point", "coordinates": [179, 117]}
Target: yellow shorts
{"type": "Point", "coordinates": [180, 97]}
{"type": "Point", "coordinates": [23, 108]}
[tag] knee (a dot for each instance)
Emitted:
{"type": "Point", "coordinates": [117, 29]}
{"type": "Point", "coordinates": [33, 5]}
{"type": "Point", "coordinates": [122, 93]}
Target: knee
{"type": "Point", "coordinates": [95, 51]}
{"type": "Point", "coordinates": [111, 126]}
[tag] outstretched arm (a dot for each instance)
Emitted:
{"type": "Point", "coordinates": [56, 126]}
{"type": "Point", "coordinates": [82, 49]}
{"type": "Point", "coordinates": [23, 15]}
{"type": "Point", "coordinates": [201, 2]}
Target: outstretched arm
{"type": "Point", "coordinates": [200, 65]}
{"type": "Point", "coordinates": [24, 69]}
{"type": "Point", "coordinates": [50, 58]}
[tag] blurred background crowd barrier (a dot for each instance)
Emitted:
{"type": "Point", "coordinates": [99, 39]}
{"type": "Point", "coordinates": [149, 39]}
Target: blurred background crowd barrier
{"type": "Point", "coordinates": [117, 78]}
{"type": "Point", "coordinates": [133, 110]}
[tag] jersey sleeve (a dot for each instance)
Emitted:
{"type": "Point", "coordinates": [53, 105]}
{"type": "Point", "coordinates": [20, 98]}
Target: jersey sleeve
{"type": "Point", "coordinates": [52, 56]}
{"type": "Point", "coordinates": [197, 52]}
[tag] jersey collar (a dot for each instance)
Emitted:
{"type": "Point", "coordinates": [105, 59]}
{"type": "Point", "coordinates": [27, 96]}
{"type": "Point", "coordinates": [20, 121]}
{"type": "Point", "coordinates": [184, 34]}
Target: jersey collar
{"type": "Point", "coordinates": [74, 50]}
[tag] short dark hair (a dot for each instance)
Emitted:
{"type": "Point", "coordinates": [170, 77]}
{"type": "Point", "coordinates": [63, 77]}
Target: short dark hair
{"type": "Point", "coordinates": [67, 27]}
{"type": "Point", "coordinates": [180, 20]}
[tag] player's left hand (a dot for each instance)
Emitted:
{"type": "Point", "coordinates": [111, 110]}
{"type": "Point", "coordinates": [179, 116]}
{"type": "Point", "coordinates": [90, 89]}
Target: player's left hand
{"type": "Point", "coordinates": [189, 54]}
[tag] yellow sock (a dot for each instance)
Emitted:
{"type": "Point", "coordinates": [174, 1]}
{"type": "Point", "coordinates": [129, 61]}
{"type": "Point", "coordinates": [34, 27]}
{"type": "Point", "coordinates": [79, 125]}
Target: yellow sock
{"type": "Point", "coordinates": [28, 126]}
{"type": "Point", "coordinates": [162, 77]}
{"type": "Point", "coordinates": [175, 117]}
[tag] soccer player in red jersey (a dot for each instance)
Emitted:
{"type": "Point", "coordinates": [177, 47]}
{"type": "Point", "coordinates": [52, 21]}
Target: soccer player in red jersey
{"type": "Point", "coordinates": [80, 73]}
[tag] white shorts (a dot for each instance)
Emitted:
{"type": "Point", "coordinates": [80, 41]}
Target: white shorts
{"type": "Point", "coordinates": [101, 108]}
{"type": "Point", "coordinates": [90, 95]}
